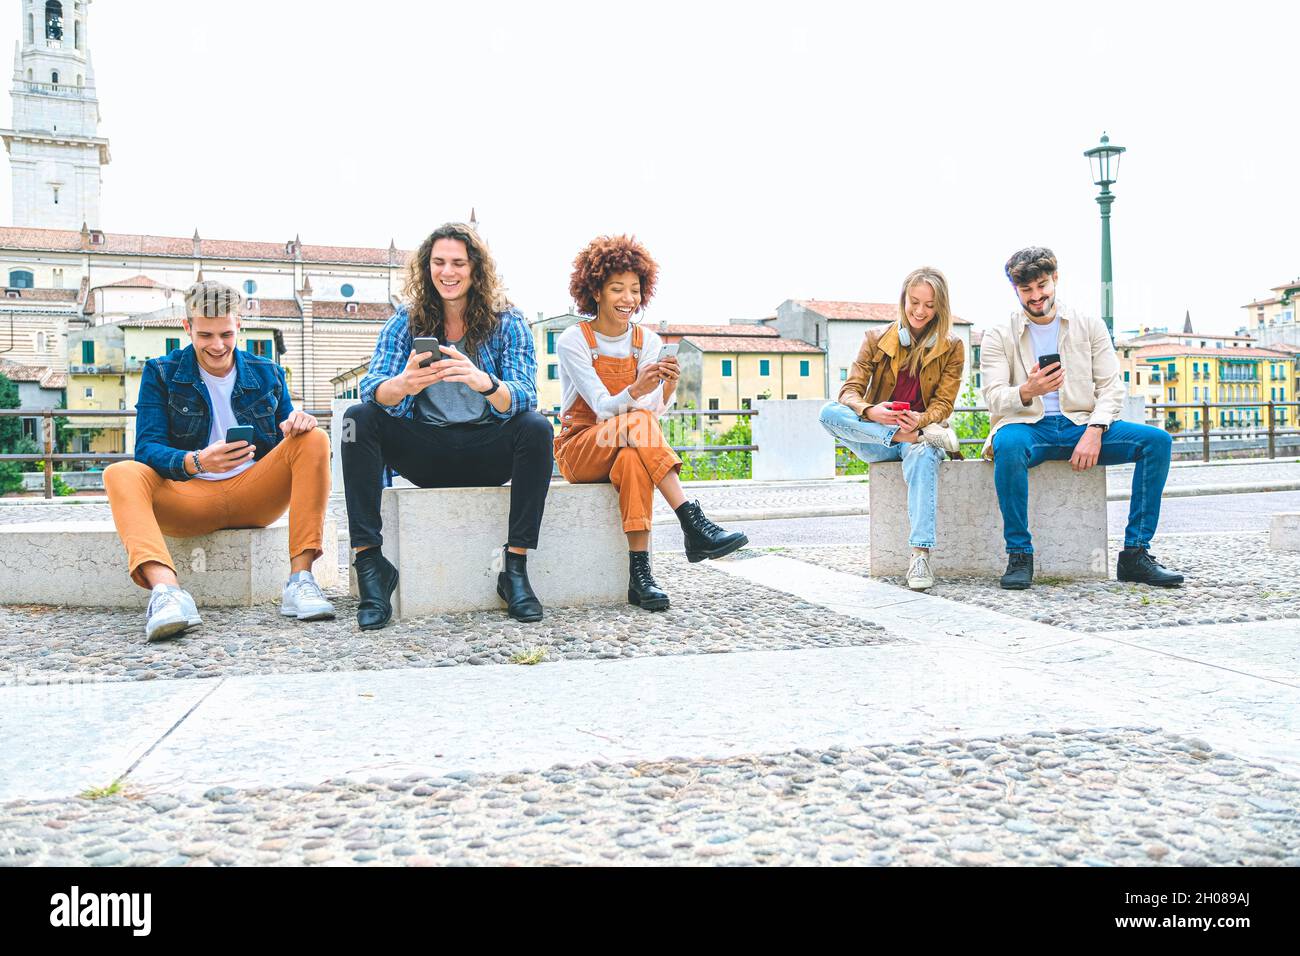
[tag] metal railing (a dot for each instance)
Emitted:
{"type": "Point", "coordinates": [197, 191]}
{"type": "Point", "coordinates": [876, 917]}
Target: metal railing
{"type": "Point", "coordinates": [49, 456]}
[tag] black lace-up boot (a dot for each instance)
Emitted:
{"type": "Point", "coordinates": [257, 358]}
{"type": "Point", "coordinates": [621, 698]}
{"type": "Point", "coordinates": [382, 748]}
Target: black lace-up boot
{"type": "Point", "coordinates": [641, 587]}
{"type": "Point", "coordinates": [1020, 571]}
{"type": "Point", "coordinates": [704, 539]}
{"type": "Point", "coordinates": [1140, 566]}
{"type": "Point", "coordinates": [376, 582]}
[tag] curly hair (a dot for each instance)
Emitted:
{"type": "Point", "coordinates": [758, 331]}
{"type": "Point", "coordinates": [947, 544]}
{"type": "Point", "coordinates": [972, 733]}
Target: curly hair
{"type": "Point", "coordinates": [606, 256]}
{"type": "Point", "coordinates": [1029, 264]}
{"type": "Point", "coordinates": [486, 297]}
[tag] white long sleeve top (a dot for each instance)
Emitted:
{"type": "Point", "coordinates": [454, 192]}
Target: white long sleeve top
{"type": "Point", "coordinates": [578, 376]}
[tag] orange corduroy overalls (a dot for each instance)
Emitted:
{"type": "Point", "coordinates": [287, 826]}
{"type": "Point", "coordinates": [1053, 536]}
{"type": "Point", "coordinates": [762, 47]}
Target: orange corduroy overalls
{"type": "Point", "coordinates": [627, 450]}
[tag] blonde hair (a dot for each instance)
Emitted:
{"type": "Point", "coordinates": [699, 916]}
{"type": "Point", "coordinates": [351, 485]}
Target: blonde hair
{"type": "Point", "coordinates": [212, 300]}
{"type": "Point", "coordinates": [939, 327]}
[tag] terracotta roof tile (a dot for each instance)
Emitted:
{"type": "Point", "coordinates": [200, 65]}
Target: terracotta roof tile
{"type": "Point", "coordinates": [21, 373]}
{"type": "Point", "coordinates": [255, 306]}
{"type": "Point", "coordinates": [135, 282]}
{"type": "Point", "coordinates": [1151, 351]}
{"type": "Point", "coordinates": [46, 295]}
{"type": "Point", "coordinates": [366, 311]}
{"type": "Point", "coordinates": [69, 240]}
{"type": "Point", "coordinates": [860, 311]}
{"type": "Point", "coordinates": [749, 343]}
{"type": "Point", "coordinates": [54, 378]}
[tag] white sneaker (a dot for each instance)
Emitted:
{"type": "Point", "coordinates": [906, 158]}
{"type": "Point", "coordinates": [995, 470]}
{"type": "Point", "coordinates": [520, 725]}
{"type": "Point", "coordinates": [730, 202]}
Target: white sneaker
{"type": "Point", "coordinates": [941, 436]}
{"type": "Point", "coordinates": [171, 611]}
{"type": "Point", "coordinates": [919, 575]}
{"type": "Point", "coordinates": [304, 599]}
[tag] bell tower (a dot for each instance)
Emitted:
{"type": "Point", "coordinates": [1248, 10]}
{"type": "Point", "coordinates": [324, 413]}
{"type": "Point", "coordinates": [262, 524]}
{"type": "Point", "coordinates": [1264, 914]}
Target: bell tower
{"type": "Point", "coordinates": [56, 154]}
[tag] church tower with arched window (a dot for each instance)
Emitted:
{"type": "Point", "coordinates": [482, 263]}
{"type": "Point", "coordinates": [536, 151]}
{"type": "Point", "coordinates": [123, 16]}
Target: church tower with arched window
{"type": "Point", "coordinates": [55, 151]}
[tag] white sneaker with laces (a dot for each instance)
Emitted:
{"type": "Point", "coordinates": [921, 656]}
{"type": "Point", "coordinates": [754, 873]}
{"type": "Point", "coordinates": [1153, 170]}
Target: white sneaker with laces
{"type": "Point", "coordinates": [304, 599]}
{"type": "Point", "coordinates": [171, 611]}
{"type": "Point", "coordinates": [941, 436]}
{"type": "Point", "coordinates": [919, 575]}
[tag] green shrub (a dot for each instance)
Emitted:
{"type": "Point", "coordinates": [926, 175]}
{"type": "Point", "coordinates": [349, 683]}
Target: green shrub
{"type": "Point", "coordinates": [11, 477]}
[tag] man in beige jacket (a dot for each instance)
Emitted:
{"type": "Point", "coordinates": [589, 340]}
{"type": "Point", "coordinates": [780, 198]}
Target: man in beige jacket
{"type": "Point", "coordinates": [1064, 408]}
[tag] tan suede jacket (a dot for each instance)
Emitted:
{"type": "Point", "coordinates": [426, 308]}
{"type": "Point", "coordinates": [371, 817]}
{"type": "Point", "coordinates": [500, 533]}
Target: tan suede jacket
{"type": "Point", "coordinates": [875, 372]}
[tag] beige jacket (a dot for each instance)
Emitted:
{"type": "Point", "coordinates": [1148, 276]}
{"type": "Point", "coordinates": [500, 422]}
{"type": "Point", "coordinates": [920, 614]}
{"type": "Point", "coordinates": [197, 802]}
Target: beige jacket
{"type": "Point", "coordinates": [1093, 392]}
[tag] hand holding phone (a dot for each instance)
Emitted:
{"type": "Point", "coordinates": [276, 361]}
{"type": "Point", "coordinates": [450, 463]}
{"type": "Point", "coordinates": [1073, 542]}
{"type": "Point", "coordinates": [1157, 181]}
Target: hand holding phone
{"type": "Point", "coordinates": [428, 344]}
{"type": "Point", "coordinates": [901, 406]}
{"type": "Point", "coordinates": [240, 433]}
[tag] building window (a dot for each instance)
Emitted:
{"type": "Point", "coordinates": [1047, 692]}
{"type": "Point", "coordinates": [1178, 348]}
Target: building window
{"type": "Point", "coordinates": [978, 377]}
{"type": "Point", "coordinates": [76, 34]}
{"type": "Point", "coordinates": [20, 279]}
{"type": "Point", "coordinates": [56, 195]}
{"type": "Point", "coordinates": [746, 403]}
{"type": "Point", "coordinates": [89, 392]}
{"type": "Point", "coordinates": [764, 367]}
{"type": "Point", "coordinates": [726, 369]}
{"type": "Point", "coordinates": [550, 341]}
{"type": "Point", "coordinates": [40, 341]}
{"type": "Point", "coordinates": [260, 347]}
{"type": "Point", "coordinates": [804, 365]}
{"type": "Point", "coordinates": [347, 291]}
{"type": "Point", "coordinates": [552, 372]}
{"type": "Point", "coordinates": [1138, 379]}
{"type": "Point", "coordinates": [88, 352]}
{"type": "Point", "coordinates": [351, 308]}
{"type": "Point", "coordinates": [844, 375]}
{"type": "Point", "coordinates": [54, 20]}
{"type": "Point", "coordinates": [1171, 394]}
{"type": "Point", "coordinates": [54, 77]}
{"type": "Point", "coordinates": [249, 287]}
{"type": "Point", "coordinates": [713, 407]}
{"type": "Point", "coordinates": [171, 345]}
{"type": "Point", "coordinates": [1126, 376]}
{"type": "Point", "coordinates": [791, 397]}
{"type": "Point", "coordinates": [58, 278]}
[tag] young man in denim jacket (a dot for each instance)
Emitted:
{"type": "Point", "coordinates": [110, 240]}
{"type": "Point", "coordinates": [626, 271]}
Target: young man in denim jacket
{"type": "Point", "coordinates": [188, 480]}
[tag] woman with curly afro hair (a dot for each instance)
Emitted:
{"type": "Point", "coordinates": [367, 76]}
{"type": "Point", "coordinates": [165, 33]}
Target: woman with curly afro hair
{"type": "Point", "coordinates": [616, 378]}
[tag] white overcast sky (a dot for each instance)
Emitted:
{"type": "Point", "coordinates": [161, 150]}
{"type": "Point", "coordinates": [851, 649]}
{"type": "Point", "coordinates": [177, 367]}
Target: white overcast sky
{"type": "Point", "coordinates": [763, 151]}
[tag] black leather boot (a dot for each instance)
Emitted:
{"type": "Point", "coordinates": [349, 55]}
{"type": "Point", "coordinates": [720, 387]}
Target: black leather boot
{"type": "Point", "coordinates": [376, 580]}
{"type": "Point", "coordinates": [641, 587]}
{"type": "Point", "coordinates": [704, 539]}
{"type": "Point", "coordinates": [1020, 571]}
{"type": "Point", "coordinates": [514, 589]}
{"type": "Point", "coordinates": [1140, 566]}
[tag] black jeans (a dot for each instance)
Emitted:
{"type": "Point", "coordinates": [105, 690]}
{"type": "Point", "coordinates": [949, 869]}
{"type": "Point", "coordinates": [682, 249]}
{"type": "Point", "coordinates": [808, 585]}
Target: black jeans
{"type": "Point", "coordinates": [517, 450]}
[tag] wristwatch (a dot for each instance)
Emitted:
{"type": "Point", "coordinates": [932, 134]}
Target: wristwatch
{"type": "Point", "coordinates": [496, 383]}
{"type": "Point", "coordinates": [1104, 428]}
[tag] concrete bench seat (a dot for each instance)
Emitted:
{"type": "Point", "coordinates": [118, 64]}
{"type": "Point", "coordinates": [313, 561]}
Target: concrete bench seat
{"type": "Point", "coordinates": [1067, 518]}
{"type": "Point", "coordinates": [83, 564]}
{"type": "Point", "coordinates": [444, 540]}
{"type": "Point", "coordinates": [1284, 531]}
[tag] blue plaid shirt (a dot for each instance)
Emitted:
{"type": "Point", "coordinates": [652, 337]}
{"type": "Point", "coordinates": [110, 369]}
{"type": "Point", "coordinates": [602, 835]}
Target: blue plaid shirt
{"type": "Point", "coordinates": [508, 354]}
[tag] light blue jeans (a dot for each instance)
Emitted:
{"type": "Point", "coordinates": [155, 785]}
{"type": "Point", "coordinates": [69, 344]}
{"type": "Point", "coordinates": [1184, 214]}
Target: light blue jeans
{"type": "Point", "coordinates": [871, 442]}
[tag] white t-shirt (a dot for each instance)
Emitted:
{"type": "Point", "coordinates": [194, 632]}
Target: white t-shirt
{"type": "Point", "coordinates": [578, 376]}
{"type": "Point", "coordinates": [223, 417]}
{"type": "Point", "coordinates": [1046, 339]}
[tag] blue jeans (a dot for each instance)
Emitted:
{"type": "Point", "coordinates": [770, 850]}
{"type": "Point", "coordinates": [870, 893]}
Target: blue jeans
{"type": "Point", "coordinates": [1019, 447]}
{"type": "Point", "coordinates": [870, 441]}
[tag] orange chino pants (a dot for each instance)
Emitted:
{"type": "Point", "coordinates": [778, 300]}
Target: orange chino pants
{"type": "Point", "coordinates": [628, 451]}
{"type": "Point", "coordinates": [296, 475]}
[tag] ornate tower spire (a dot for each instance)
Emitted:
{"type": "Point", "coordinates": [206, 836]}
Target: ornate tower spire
{"type": "Point", "coordinates": [55, 151]}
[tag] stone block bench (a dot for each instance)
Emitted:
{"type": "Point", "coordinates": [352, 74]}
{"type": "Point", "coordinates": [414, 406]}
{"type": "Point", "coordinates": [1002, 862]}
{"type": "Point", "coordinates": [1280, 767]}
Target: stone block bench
{"type": "Point", "coordinates": [1284, 531]}
{"type": "Point", "coordinates": [83, 564]}
{"type": "Point", "coordinates": [1067, 518]}
{"type": "Point", "coordinates": [444, 540]}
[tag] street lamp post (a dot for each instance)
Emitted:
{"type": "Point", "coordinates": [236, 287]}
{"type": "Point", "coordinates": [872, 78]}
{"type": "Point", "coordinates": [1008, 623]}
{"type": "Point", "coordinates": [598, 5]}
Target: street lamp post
{"type": "Point", "coordinates": [1104, 160]}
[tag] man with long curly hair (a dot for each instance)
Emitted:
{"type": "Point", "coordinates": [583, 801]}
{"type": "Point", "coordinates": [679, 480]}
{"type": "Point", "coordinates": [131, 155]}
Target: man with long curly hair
{"type": "Point", "coordinates": [464, 418]}
{"type": "Point", "coordinates": [615, 383]}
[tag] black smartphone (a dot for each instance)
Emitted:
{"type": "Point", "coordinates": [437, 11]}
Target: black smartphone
{"type": "Point", "coordinates": [1046, 361]}
{"type": "Point", "coordinates": [240, 433]}
{"type": "Point", "coordinates": [429, 344]}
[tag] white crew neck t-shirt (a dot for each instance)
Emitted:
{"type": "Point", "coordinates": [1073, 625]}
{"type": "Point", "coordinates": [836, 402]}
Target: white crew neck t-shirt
{"type": "Point", "coordinates": [1046, 339]}
{"type": "Point", "coordinates": [223, 417]}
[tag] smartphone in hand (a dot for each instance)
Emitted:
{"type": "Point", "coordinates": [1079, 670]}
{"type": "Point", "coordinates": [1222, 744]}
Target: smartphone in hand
{"type": "Point", "coordinates": [240, 433]}
{"type": "Point", "coordinates": [901, 406]}
{"type": "Point", "coordinates": [1047, 361]}
{"type": "Point", "coordinates": [429, 344]}
{"type": "Point", "coordinates": [668, 351]}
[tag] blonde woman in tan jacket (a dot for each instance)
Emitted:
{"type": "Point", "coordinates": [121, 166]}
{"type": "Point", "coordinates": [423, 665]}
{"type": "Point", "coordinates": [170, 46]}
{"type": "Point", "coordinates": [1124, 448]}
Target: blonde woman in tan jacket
{"type": "Point", "coordinates": [897, 400]}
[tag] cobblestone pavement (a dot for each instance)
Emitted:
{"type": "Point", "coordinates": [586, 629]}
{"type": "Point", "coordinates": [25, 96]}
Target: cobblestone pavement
{"type": "Point", "coordinates": [1100, 797]}
{"type": "Point", "coordinates": [1229, 578]}
{"type": "Point", "coordinates": [711, 613]}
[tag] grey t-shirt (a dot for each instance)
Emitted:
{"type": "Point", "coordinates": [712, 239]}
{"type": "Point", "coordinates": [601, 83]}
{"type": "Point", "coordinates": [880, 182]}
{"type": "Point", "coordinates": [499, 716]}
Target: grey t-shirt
{"type": "Point", "coordinates": [451, 403]}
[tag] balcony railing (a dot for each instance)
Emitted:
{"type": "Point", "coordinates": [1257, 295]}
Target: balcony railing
{"type": "Point", "coordinates": [56, 89]}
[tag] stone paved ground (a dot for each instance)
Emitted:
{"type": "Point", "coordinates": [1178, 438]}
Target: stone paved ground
{"type": "Point", "coordinates": [1103, 797]}
{"type": "Point", "coordinates": [1231, 577]}
{"type": "Point", "coordinates": [712, 613]}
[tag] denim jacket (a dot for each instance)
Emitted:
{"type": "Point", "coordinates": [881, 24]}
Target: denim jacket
{"type": "Point", "coordinates": [174, 410]}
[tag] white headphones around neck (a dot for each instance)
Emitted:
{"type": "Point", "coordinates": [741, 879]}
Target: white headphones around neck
{"type": "Point", "coordinates": [905, 335]}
